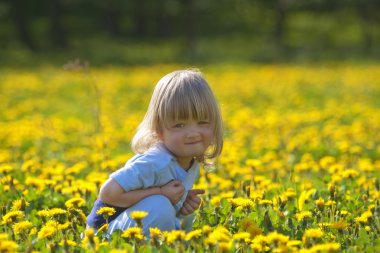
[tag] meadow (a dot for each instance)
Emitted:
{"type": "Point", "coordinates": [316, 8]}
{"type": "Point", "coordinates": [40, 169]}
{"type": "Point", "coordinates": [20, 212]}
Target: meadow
{"type": "Point", "coordinates": [299, 172]}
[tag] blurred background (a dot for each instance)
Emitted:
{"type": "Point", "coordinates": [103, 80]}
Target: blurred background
{"type": "Point", "coordinates": [122, 32]}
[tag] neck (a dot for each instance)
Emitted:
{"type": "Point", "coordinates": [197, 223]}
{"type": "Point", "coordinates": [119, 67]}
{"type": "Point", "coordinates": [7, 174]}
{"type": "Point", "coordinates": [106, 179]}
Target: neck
{"type": "Point", "coordinates": [186, 164]}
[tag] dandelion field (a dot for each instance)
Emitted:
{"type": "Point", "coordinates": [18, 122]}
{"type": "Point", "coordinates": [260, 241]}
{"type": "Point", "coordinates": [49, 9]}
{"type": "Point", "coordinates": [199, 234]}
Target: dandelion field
{"type": "Point", "coordinates": [300, 169]}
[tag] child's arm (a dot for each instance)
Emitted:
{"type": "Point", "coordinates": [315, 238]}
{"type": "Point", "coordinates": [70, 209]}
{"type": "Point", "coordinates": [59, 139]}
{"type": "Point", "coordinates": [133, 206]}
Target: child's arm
{"type": "Point", "coordinates": [192, 201]}
{"type": "Point", "coordinates": [113, 194]}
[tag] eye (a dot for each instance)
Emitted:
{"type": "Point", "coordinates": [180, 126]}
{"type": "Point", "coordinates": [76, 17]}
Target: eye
{"type": "Point", "coordinates": [179, 125]}
{"type": "Point", "coordinates": [203, 122]}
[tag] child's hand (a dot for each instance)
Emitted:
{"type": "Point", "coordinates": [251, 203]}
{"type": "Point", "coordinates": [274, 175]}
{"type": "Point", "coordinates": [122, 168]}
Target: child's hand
{"type": "Point", "coordinates": [192, 201]}
{"type": "Point", "coordinates": [173, 191]}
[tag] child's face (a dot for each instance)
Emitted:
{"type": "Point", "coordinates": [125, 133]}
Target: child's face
{"type": "Point", "coordinates": [187, 139]}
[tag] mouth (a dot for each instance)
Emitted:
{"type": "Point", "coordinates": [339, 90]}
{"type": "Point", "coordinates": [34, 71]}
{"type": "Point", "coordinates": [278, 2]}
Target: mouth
{"type": "Point", "coordinates": [192, 142]}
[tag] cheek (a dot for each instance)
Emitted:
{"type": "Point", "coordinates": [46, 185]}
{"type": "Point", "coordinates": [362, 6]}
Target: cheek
{"type": "Point", "coordinates": [208, 133]}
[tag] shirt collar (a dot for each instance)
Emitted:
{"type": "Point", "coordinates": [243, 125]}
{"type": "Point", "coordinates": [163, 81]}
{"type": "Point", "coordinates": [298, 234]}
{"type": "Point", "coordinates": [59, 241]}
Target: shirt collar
{"type": "Point", "coordinates": [161, 147]}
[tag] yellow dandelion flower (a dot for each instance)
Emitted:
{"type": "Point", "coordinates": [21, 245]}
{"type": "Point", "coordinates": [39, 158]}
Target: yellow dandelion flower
{"type": "Point", "coordinates": [33, 232]}
{"type": "Point", "coordinates": [43, 213]}
{"type": "Point", "coordinates": [155, 233]}
{"type": "Point", "coordinates": [75, 202]}
{"type": "Point", "coordinates": [90, 239]}
{"type": "Point", "coordinates": [89, 233]}
{"type": "Point", "coordinates": [12, 216]}
{"type": "Point", "coordinates": [312, 233]}
{"type": "Point", "coordinates": [339, 225]}
{"type": "Point", "coordinates": [277, 238]}
{"type": "Point", "coordinates": [292, 243]}
{"type": "Point", "coordinates": [68, 243]}
{"type": "Point", "coordinates": [3, 236]}
{"type": "Point", "coordinates": [363, 219]}
{"type": "Point", "coordinates": [371, 207]}
{"type": "Point", "coordinates": [326, 247]}
{"type": "Point", "coordinates": [19, 205]}
{"type": "Point", "coordinates": [215, 201]}
{"type": "Point", "coordinates": [107, 211]}
{"type": "Point", "coordinates": [64, 226]}
{"type": "Point", "coordinates": [133, 233]}
{"type": "Point", "coordinates": [175, 236]}
{"type": "Point", "coordinates": [6, 169]}
{"type": "Point", "coordinates": [266, 202]}
{"type": "Point", "coordinates": [206, 229]}
{"type": "Point", "coordinates": [22, 227]}
{"type": "Point", "coordinates": [256, 195]}
{"type": "Point", "coordinates": [289, 193]}
{"type": "Point", "coordinates": [324, 225]}
{"type": "Point", "coordinates": [305, 195]}
{"type": "Point", "coordinates": [78, 213]}
{"type": "Point", "coordinates": [103, 228]}
{"type": "Point", "coordinates": [225, 246]}
{"type": "Point", "coordinates": [242, 236]}
{"type": "Point", "coordinates": [8, 246]}
{"type": "Point", "coordinates": [350, 173]}
{"type": "Point", "coordinates": [344, 213]}
{"type": "Point", "coordinates": [47, 232]}
{"type": "Point", "coordinates": [259, 247]}
{"type": "Point", "coordinates": [220, 234]}
{"type": "Point", "coordinates": [138, 215]}
{"type": "Point", "coordinates": [241, 202]}
{"type": "Point", "coordinates": [197, 233]}
{"type": "Point", "coordinates": [330, 203]}
{"type": "Point", "coordinates": [302, 215]}
{"type": "Point", "coordinates": [56, 211]}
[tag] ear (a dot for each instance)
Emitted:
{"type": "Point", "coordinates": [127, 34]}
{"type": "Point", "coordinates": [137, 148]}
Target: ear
{"type": "Point", "coordinates": [159, 135]}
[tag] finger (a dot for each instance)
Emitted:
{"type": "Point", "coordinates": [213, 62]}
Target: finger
{"type": "Point", "coordinates": [184, 211]}
{"type": "Point", "coordinates": [196, 204]}
{"type": "Point", "coordinates": [193, 203]}
{"type": "Point", "coordinates": [194, 199]}
{"type": "Point", "coordinates": [188, 208]}
{"type": "Point", "coordinates": [176, 183]}
{"type": "Point", "coordinates": [197, 191]}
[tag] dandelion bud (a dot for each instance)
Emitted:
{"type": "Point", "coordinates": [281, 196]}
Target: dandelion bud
{"type": "Point", "coordinates": [320, 204]}
{"type": "Point", "coordinates": [331, 188]}
{"type": "Point", "coordinates": [364, 197]}
{"type": "Point", "coordinates": [377, 184]}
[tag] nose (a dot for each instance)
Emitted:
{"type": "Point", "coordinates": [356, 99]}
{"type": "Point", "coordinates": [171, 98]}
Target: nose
{"type": "Point", "coordinates": [193, 132]}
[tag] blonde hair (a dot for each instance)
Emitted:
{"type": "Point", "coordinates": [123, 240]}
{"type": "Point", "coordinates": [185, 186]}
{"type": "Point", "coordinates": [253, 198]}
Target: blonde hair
{"type": "Point", "coordinates": [182, 94]}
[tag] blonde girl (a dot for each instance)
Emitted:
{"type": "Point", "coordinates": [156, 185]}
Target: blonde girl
{"type": "Point", "coordinates": [181, 129]}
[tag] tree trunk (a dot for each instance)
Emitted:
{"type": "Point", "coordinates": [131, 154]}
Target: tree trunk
{"type": "Point", "coordinates": [139, 19]}
{"type": "Point", "coordinates": [364, 14]}
{"type": "Point", "coordinates": [111, 18]}
{"type": "Point", "coordinates": [189, 14]}
{"type": "Point", "coordinates": [18, 16]}
{"type": "Point", "coordinates": [57, 33]}
{"type": "Point", "coordinates": [164, 27]}
{"type": "Point", "coordinates": [280, 18]}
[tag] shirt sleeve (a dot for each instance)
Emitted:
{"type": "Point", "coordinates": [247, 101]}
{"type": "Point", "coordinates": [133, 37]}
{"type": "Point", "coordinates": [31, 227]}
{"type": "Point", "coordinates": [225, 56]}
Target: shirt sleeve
{"type": "Point", "coordinates": [137, 175]}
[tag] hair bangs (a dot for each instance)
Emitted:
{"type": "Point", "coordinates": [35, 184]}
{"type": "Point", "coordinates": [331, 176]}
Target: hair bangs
{"type": "Point", "coordinates": [184, 105]}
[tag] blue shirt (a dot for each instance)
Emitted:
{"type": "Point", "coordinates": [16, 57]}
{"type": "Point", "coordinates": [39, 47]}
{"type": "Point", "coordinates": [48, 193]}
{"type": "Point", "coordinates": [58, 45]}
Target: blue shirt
{"type": "Point", "coordinates": [156, 167]}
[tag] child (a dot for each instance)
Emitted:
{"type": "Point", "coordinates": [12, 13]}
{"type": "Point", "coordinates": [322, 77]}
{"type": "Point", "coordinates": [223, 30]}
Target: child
{"type": "Point", "coordinates": [181, 129]}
